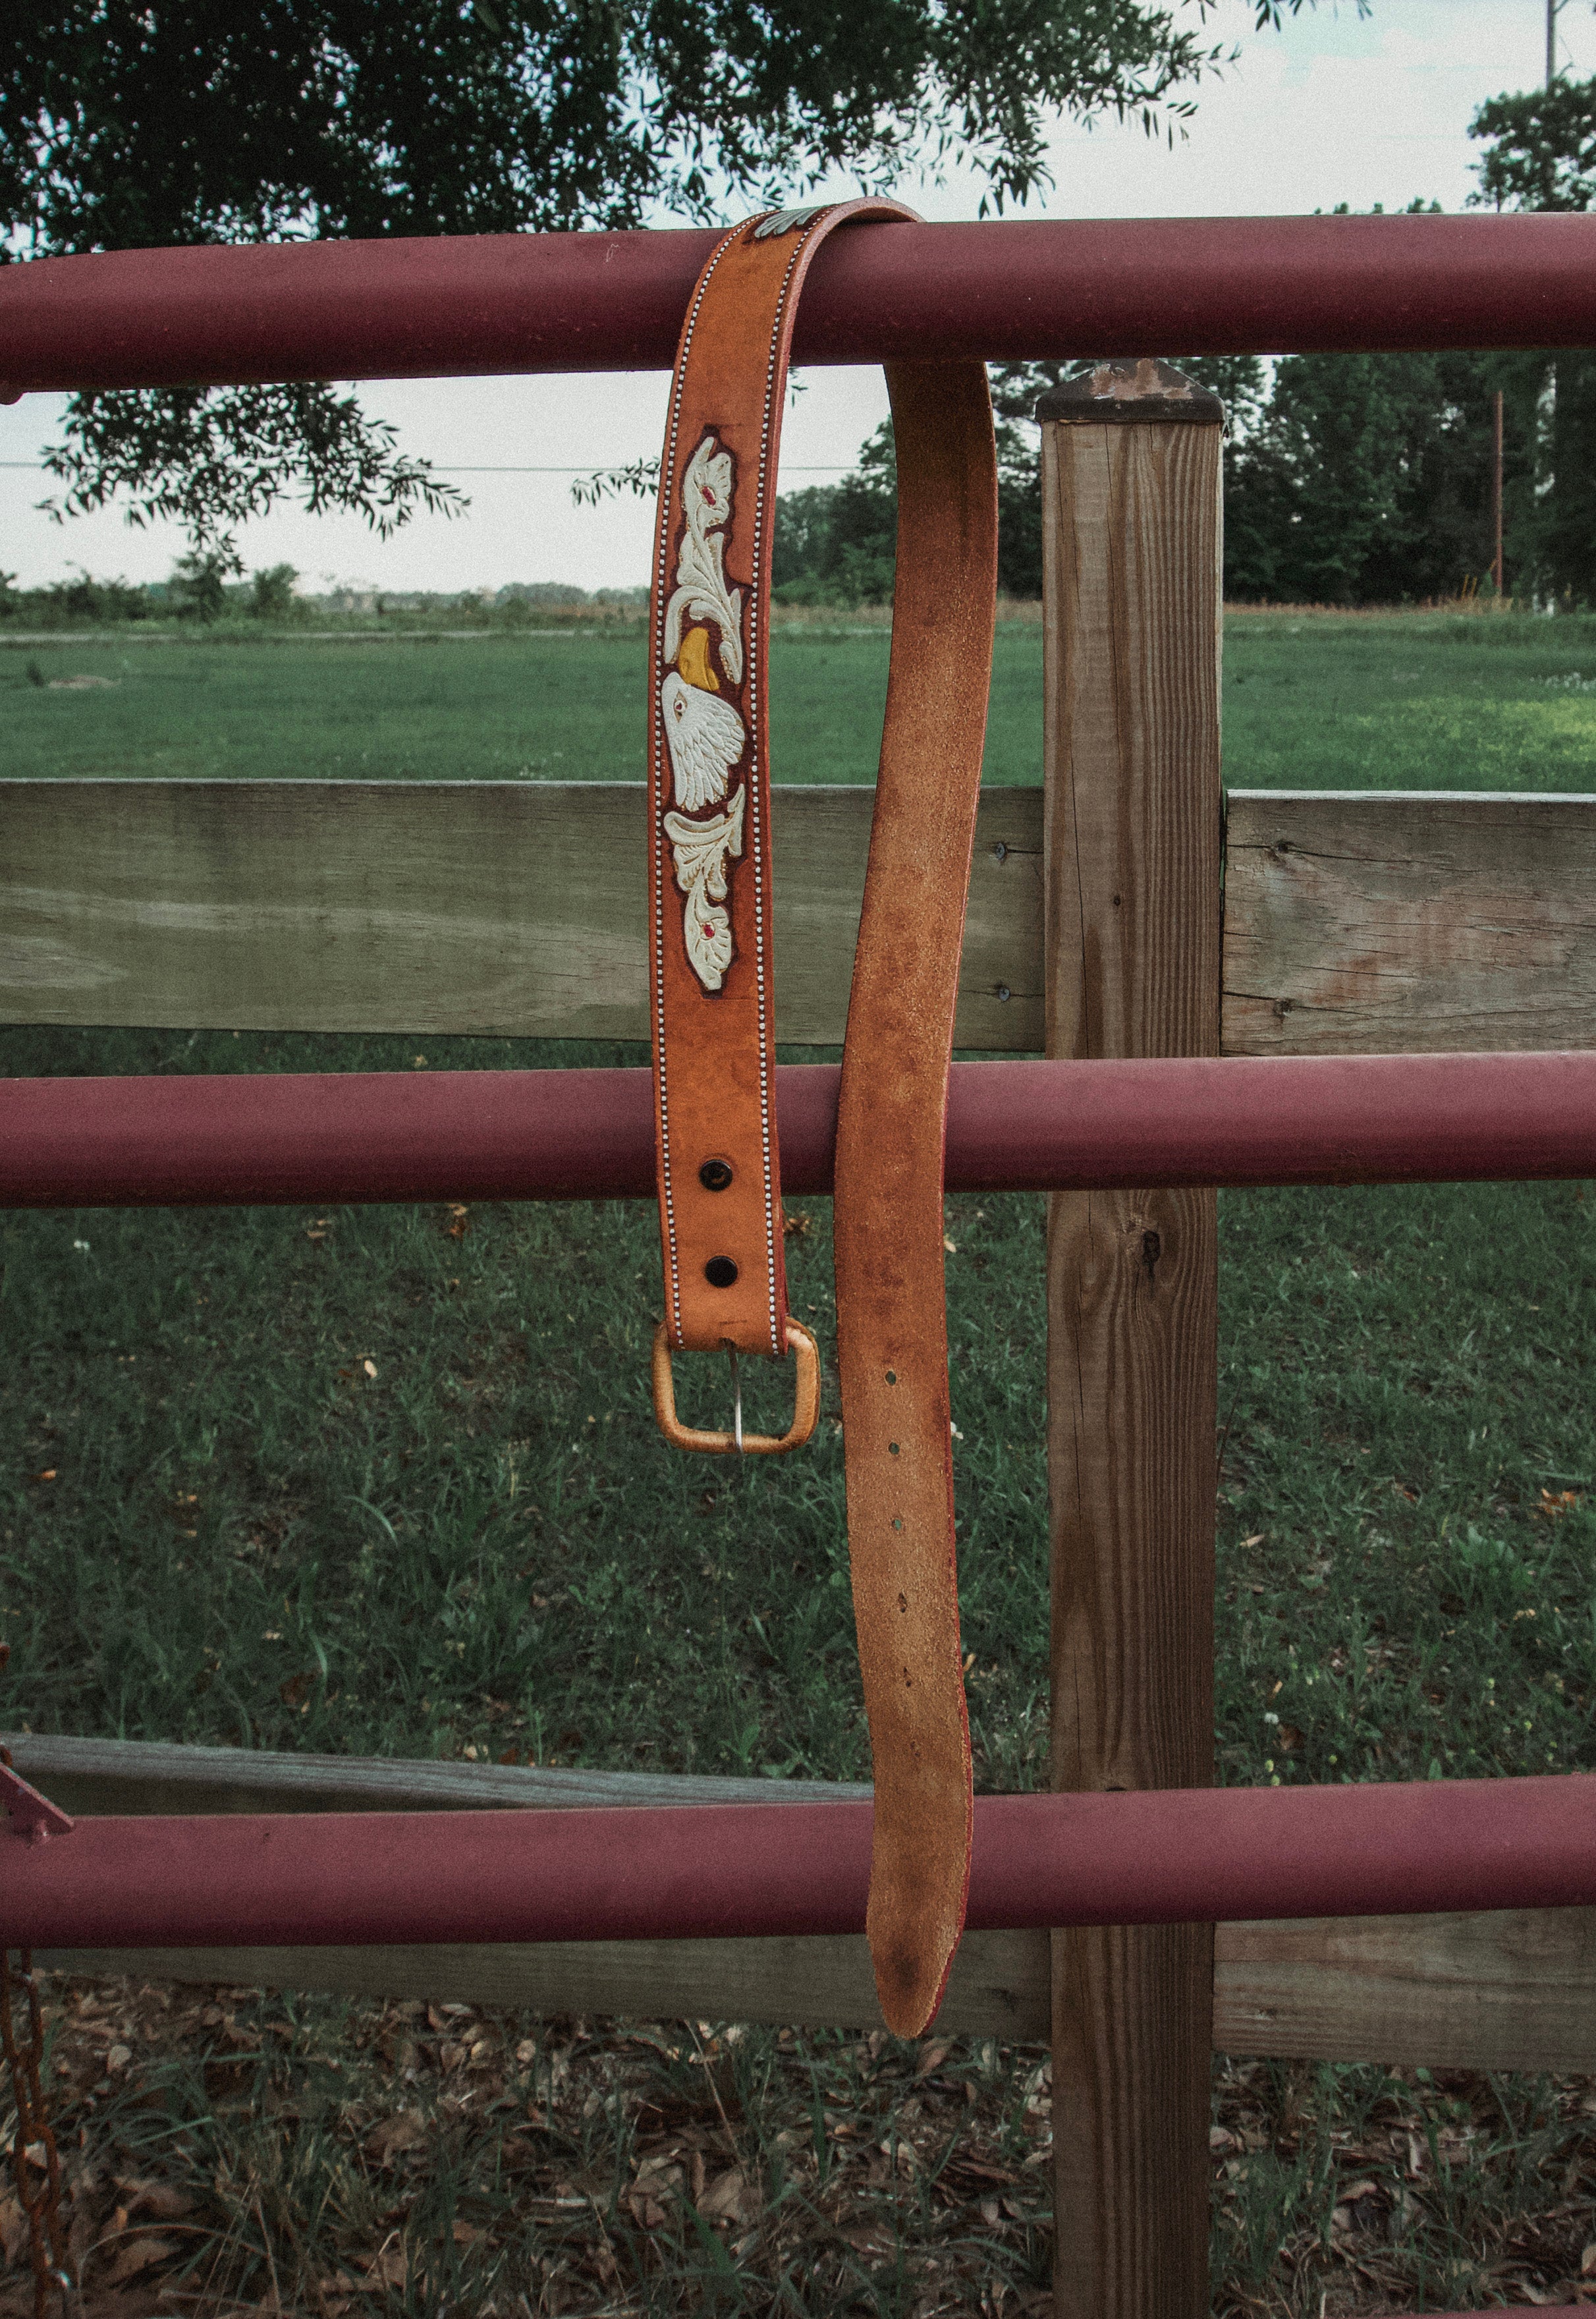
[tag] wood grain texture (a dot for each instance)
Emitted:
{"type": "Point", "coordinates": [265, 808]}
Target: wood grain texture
{"type": "Point", "coordinates": [998, 1986]}
{"type": "Point", "coordinates": [1498, 1992]}
{"type": "Point", "coordinates": [1366, 922]}
{"type": "Point", "coordinates": [1506, 1990]}
{"type": "Point", "coordinates": [147, 1776]}
{"type": "Point", "coordinates": [509, 907]}
{"type": "Point", "coordinates": [1355, 923]}
{"type": "Point", "coordinates": [1132, 853]}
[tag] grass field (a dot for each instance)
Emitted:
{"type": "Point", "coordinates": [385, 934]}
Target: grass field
{"type": "Point", "coordinates": [385, 1480]}
{"type": "Point", "coordinates": [1311, 701]}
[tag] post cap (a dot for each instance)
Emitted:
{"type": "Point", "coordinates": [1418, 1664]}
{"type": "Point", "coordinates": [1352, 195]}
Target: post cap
{"type": "Point", "coordinates": [1130, 391]}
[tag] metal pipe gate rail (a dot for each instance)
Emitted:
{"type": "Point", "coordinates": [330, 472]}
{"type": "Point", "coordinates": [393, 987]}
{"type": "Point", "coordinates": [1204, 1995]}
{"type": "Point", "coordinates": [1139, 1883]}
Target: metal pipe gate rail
{"type": "Point", "coordinates": [1134, 1111]}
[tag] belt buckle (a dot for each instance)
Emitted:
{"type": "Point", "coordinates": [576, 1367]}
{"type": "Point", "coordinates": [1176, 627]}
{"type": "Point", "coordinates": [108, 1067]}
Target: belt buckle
{"type": "Point", "coordinates": [806, 1411]}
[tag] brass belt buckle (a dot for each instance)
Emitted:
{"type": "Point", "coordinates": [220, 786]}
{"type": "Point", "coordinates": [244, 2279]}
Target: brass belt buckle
{"type": "Point", "coordinates": [805, 1408]}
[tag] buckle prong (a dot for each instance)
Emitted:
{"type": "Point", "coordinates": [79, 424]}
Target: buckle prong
{"type": "Point", "coordinates": [806, 1409]}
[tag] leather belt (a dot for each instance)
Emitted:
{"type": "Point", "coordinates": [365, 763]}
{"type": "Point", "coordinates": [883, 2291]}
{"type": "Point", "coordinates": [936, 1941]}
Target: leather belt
{"type": "Point", "coordinates": [713, 1017]}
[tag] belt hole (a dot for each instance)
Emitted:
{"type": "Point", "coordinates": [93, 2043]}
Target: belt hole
{"type": "Point", "coordinates": [715, 1174]}
{"type": "Point", "coordinates": [892, 1376]}
{"type": "Point", "coordinates": [720, 1272]}
{"type": "Point", "coordinates": [897, 1524]}
{"type": "Point", "coordinates": [892, 1448]}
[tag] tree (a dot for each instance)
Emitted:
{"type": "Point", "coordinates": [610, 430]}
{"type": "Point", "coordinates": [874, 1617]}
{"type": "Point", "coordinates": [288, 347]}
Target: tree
{"type": "Point", "coordinates": [834, 542]}
{"type": "Point", "coordinates": [198, 585]}
{"type": "Point", "coordinates": [128, 124]}
{"type": "Point", "coordinates": [1541, 154]}
{"type": "Point", "coordinates": [271, 597]}
{"type": "Point", "coordinates": [1540, 147]}
{"type": "Point", "coordinates": [208, 458]}
{"type": "Point", "coordinates": [1367, 477]}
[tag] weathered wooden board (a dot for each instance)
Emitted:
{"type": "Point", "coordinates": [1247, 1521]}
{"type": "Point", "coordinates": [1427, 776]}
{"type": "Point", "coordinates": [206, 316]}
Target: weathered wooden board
{"type": "Point", "coordinates": [1509, 1990]}
{"type": "Point", "coordinates": [998, 1986]}
{"type": "Point", "coordinates": [1501, 1991]}
{"type": "Point", "coordinates": [147, 1776]}
{"type": "Point", "coordinates": [1355, 922]}
{"type": "Point", "coordinates": [513, 907]}
{"type": "Point", "coordinates": [1363, 923]}
{"type": "Point", "coordinates": [1130, 530]}
{"type": "Point", "coordinates": [1487, 1992]}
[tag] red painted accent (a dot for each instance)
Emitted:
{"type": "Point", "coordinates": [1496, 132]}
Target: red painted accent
{"type": "Point", "coordinates": [588, 1134]}
{"type": "Point", "coordinates": [590, 302]}
{"type": "Point", "coordinates": [1165, 1856]}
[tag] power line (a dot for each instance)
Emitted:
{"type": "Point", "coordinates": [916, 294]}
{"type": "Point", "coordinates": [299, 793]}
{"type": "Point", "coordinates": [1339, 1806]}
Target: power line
{"type": "Point", "coordinates": [590, 469]}
{"type": "Point", "coordinates": [32, 466]}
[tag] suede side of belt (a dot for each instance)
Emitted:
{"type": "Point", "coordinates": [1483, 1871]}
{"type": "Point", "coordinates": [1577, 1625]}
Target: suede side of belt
{"type": "Point", "coordinates": [710, 938]}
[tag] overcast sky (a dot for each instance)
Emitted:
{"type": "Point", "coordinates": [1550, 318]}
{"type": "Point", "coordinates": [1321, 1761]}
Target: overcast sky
{"type": "Point", "coordinates": [1333, 109]}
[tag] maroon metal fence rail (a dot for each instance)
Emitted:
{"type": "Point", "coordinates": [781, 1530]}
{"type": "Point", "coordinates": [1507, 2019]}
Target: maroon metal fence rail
{"type": "Point", "coordinates": [588, 1134]}
{"type": "Point", "coordinates": [569, 303]}
{"type": "Point", "coordinates": [506, 302]}
{"type": "Point", "coordinates": [1158, 1856]}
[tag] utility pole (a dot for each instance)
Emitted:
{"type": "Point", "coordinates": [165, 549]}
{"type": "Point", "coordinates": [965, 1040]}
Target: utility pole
{"type": "Point", "coordinates": [1496, 496]}
{"type": "Point", "coordinates": [1552, 8]}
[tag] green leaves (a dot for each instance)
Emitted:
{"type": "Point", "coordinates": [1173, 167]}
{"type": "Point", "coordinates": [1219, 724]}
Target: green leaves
{"type": "Point", "coordinates": [142, 123]}
{"type": "Point", "coordinates": [1540, 149]}
{"type": "Point", "coordinates": [212, 457]}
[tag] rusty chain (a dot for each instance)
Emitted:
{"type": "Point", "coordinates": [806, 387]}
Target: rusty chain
{"type": "Point", "coordinates": [35, 2161]}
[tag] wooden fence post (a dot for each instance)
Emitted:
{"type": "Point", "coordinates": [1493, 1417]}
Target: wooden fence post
{"type": "Point", "coordinates": [1131, 532]}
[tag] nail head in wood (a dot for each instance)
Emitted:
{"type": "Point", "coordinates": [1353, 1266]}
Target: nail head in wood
{"type": "Point", "coordinates": [1130, 391]}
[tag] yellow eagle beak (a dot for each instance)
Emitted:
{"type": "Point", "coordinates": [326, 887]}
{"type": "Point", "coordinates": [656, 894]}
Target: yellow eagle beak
{"type": "Point", "coordinates": [693, 661]}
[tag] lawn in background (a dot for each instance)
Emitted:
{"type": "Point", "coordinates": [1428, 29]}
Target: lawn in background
{"type": "Point", "coordinates": [563, 707]}
{"type": "Point", "coordinates": [385, 1480]}
{"type": "Point", "coordinates": [1415, 700]}
{"type": "Point", "coordinates": [1312, 701]}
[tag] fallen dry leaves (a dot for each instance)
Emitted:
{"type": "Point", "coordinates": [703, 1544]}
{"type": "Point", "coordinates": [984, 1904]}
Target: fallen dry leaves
{"type": "Point", "coordinates": [588, 2166]}
{"type": "Point", "coordinates": [227, 2157]}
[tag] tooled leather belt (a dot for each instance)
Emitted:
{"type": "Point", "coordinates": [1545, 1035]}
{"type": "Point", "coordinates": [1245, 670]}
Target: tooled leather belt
{"type": "Point", "coordinates": [710, 944]}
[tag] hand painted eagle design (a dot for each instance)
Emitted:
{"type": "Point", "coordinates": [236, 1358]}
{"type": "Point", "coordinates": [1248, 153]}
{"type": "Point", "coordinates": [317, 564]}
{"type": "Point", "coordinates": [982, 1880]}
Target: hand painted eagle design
{"type": "Point", "coordinates": [705, 734]}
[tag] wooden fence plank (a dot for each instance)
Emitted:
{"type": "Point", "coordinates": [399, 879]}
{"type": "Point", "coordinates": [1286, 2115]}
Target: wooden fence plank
{"type": "Point", "coordinates": [998, 1988]}
{"type": "Point", "coordinates": [1130, 517]}
{"type": "Point", "coordinates": [1363, 923]}
{"type": "Point", "coordinates": [145, 1775]}
{"type": "Point", "coordinates": [1355, 922]}
{"type": "Point", "coordinates": [1493, 1991]}
{"type": "Point", "coordinates": [1501, 1990]}
{"type": "Point", "coordinates": [511, 907]}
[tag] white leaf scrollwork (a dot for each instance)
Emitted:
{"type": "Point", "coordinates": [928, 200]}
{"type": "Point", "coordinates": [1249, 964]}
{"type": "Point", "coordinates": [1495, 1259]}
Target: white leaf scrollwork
{"type": "Point", "coordinates": [701, 592]}
{"type": "Point", "coordinates": [699, 849]}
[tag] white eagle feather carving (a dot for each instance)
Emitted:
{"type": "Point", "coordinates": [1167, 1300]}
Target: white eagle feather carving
{"type": "Point", "coordinates": [704, 733]}
{"type": "Point", "coordinates": [706, 737]}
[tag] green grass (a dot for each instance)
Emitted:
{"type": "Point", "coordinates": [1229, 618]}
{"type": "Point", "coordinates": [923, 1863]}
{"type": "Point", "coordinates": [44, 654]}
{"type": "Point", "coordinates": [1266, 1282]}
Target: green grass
{"type": "Point", "coordinates": [385, 1480]}
{"type": "Point", "coordinates": [1312, 701]}
{"type": "Point", "coordinates": [486, 1543]}
{"type": "Point", "coordinates": [248, 1535]}
{"type": "Point", "coordinates": [1421, 700]}
{"type": "Point", "coordinates": [247, 707]}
